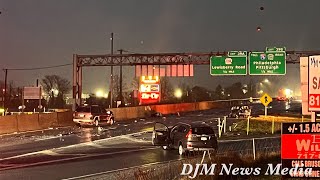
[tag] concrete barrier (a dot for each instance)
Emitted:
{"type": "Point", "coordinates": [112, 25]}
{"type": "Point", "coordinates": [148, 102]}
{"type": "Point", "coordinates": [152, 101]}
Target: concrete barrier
{"type": "Point", "coordinates": [28, 122]}
{"type": "Point", "coordinates": [47, 120]}
{"type": "Point", "coordinates": [65, 118]}
{"type": "Point", "coordinates": [174, 108]}
{"type": "Point", "coordinates": [129, 112]}
{"type": "Point", "coordinates": [203, 106]}
{"type": "Point", "coordinates": [185, 107]}
{"type": "Point", "coordinates": [8, 124]}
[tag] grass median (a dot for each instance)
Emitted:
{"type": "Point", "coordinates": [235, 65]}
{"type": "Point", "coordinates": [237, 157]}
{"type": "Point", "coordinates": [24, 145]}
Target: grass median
{"type": "Point", "coordinates": [259, 126]}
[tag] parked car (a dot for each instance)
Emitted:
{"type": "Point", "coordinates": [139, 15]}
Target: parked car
{"type": "Point", "coordinates": [92, 115]}
{"type": "Point", "coordinates": [185, 137]}
{"type": "Point", "coordinates": [234, 112]}
{"type": "Point", "coordinates": [240, 111]}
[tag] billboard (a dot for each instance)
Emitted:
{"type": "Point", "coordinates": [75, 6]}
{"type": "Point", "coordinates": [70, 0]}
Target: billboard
{"type": "Point", "coordinates": [314, 83]}
{"type": "Point", "coordinates": [300, 148]}
{"type": "Point", "coordinates": [149, 89]}
{"type": "Point", "coordinates": [180, 70]}
{"type": "Point", "coordinates": [304, 84]}
{"type": "Point", "coordinates": [32, 93]}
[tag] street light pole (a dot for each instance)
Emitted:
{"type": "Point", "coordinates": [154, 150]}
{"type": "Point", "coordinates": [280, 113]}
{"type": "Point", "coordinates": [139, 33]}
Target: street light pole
{"type": "Point", "coordinates": [5, 89]}
{"type": "Point", "coordinates": [111, 80]}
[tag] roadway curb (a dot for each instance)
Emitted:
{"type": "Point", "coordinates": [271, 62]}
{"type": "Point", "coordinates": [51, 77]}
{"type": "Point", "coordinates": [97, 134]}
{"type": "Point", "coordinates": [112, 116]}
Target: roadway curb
{"type": "Point", "coordinates": [35, 131]}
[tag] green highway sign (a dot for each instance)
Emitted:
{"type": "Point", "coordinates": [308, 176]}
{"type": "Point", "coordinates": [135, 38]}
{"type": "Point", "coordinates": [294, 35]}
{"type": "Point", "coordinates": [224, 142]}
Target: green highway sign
{"type": "Point", "coordinates": [275, 49]}
{"type": "Point", "coordinates": [233, 64]}
{"type": "Point", "coordinates": [267, 63]}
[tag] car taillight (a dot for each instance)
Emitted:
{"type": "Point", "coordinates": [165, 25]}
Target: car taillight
{"type": "Point", "coordinates": [189, 134]}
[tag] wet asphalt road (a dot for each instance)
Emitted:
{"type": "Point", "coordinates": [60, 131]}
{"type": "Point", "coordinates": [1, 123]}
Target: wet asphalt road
{"type": "Point", "coordinates": [31, 142]}
{"type": "Point", "coordinates": [73, 151]}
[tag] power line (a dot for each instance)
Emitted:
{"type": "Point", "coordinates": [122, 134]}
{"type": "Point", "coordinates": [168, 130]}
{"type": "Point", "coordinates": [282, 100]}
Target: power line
{"type": "Point", "coordinates": [37, 68]}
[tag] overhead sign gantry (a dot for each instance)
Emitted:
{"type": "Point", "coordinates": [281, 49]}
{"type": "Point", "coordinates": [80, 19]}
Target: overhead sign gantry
{"type": "Point", "coordinates": [80, 61]}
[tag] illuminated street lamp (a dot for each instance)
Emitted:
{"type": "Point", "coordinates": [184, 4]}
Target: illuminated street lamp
{"type": "Point", "coordinates": [99, 93]}
{"type": "Point", "coordinates": [266, 80]}
{"type": "Point", "coordinates": [55, 91]}
{"type": "Point", "coordinates": [178, 93]}
{"type": "Point", "coordinates": [288, 93]}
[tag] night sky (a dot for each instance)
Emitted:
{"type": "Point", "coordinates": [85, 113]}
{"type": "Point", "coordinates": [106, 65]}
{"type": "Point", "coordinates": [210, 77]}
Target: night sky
{"type": "Point", "coordinates": [36, 33]}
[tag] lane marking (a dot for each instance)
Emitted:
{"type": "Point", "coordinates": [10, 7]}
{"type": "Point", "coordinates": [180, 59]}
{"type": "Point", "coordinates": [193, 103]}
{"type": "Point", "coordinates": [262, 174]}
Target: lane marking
{"type": "Point", "coordinates": [70, 146]}
{"type": "Point", "coordinates": [75, 158]}
{"type": "Point", "coordinates": [136, 140]}
{"type": "Point", "coordinates": [21, 155]}
{"type": "Point", "coordinates": [50, 153]}
{"type": "Point", "coordinates": [47, 138]}
{"type": "Point", "coordinates": [94, 145]}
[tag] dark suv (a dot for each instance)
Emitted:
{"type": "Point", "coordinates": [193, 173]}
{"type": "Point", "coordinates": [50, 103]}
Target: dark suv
{"type": "Point", "coordinates": [185, 137]}
{"type": "Point", "coordinates": [92, 115]}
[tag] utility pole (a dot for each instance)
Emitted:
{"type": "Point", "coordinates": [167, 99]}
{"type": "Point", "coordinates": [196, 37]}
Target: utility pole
{"type": "Point", "coordinates": [111, 80]}
{"type": "Point", "coordinates": [5, 89]}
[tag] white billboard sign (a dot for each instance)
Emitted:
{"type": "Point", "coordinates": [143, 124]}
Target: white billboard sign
{"type": "Point", "coordinates": [32, 93]}
{"type": "Point", "coordinates": [314, 83]}
{"type": "Point", "coordinates": [304, 84]}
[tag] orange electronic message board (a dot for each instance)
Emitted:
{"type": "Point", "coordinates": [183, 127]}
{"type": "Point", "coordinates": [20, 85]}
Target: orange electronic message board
{"type": "Point", "coordinates": [149, 89]}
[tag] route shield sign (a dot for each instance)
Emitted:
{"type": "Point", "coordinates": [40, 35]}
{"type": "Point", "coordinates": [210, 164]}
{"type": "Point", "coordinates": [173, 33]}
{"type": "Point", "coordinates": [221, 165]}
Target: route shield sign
{"type": "Point", "coordinates": [266, 99]}
{"type": "Point", "coordinates": [235, 63]}
{"type": "Point", "coordinates": [271, 62]}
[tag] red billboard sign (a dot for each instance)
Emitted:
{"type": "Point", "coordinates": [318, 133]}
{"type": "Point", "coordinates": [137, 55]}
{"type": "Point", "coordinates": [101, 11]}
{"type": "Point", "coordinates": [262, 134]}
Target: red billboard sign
{"type": "Point", "coordinates": [149, 91]}
{"type": "Point", "coordinates": [300, 146]}
{"type": "Point", "coordinates": [150, 96]}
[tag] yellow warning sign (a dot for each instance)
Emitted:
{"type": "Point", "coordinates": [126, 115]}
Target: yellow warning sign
{"type": "Point", "coordinates": [265, 99]}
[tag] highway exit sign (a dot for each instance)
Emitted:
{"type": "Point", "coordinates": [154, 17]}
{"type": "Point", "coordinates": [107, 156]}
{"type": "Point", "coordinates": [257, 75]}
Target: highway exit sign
{"type": "Point", "coordinates": [276, 49]}
{"type": "Point", "coordinates": [271, 62]}
{"type": "Point", "coordinates": [235, 63]}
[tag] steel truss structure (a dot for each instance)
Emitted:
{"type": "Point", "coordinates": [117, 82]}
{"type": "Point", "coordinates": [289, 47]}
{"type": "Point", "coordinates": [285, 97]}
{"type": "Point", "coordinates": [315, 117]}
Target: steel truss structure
{"type": "Point", "coordinates": [80, 61]}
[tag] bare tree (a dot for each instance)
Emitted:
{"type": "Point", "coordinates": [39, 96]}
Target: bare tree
{"type": "Point", "coordinates": [166, 89]}
{"type": "Point", "coordinates": [56, 86]}
{"type": "Point", "coordinates": [135, 83]}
